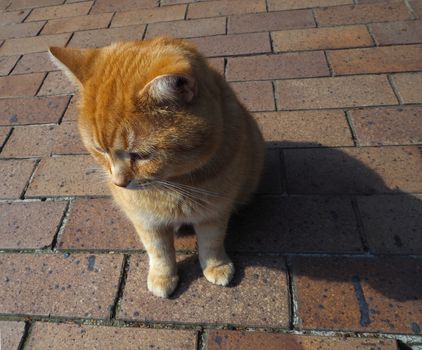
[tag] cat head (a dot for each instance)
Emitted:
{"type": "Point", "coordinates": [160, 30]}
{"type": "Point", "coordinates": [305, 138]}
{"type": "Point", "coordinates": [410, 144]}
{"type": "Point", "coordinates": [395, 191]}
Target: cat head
{"type": "Point", "coordinates": [147, 110]}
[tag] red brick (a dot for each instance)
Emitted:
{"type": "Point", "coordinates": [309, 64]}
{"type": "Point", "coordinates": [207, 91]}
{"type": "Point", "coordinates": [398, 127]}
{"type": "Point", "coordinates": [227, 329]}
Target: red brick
{"type": "Point", "coordinates": [66, 140]}
{"type": "Point", "coordinates": [188, 29]}
{"type": "Point", "coordinates": [13, 17]}
{"type": "Point", "coordinates": [376, 60]}
{"type": "Point", "coordinates": [262, 22]}
{"type": "Point", "coordinates": [24, 4]}
{"type": "Point", "coordinates": [257, 296]}
{"type": "Point", "coordinates": [247, 340]}
{"type": "Point", "coordinates": [20, 85]}
{"type": "Point", "coordinates": [77, 285]}
{"type": "Point", "coordinates": [388, 126]}
{"type": "Point", "coordinates": [392, 223]}
{"type": "Point", "coordinates": [385, 11]}
{"type": "Point", "coordinates": [174, 2]}
{"type": "Point", "coordinates": [33, 110]}
{"type": "Point", "coordinates": [409, 32]}
{"type": "Point", "coordinates": [71, 113]}
{"type": "Point", "coordinates": [29, 141]}
{"type": "Point", "coordinates": [40, 219]}
{"type": "Point", "coordinates": [364, 294]}
{"type": "Point", "coordinates": [274, 5]}
{"type": "Point", "coordinates": [73, 24]}
{"type": "Point", "coordinates": [7, 63]}
{"type": "Point", "coordinates": [57, 83]}
{"type": "Point", "coordinates": [104, 37]}
{"type": "Point", "coordinates": [354, 170]}
{"type": "Point", "coordinates": [409, 87]}
{"type": "Point", "coordinates": [236, 44]}
{"type": "Point", "coordinates": [20, 30]}
{"type": "Point", "coordinates": [122, 5]}
{"type": "Point", "coordinates": [17, 173]}
{"type": "Point", "coordinates": [34, 44]}
{"type": "Point", "coordinates": [161, 14]}
{"type": "Point", "coordinates": [255, 95]}
{"type": "Point", "coordinates": [321, 38]}
{"type": "Point", "coordinates": [34, 63]}
{"type": "Point", "coordinates": [12, 333]}
{"type": "Point", "coordinates": [334, 92]}
{"type": "Point", "coordinates": [305, 128]}
{"type": "Point", "coordinates": [293, 224]}
{"type": "Point", "coordinates": [289, 65]}
{"type": "Point", "coordinates": [4, 132]}
{"type": "Point", "coordinates": [98, 224]}
{"type": "Point", "coordinates": [225, 7]}
{"type": "Point", "coordinates": [67, 10]}
{"type": "Point", "coordinates": [67, 176]}
{"type": "Point", "coordinates": [270, 182]}
{"type": "Point", "coordinates": [83, 336]}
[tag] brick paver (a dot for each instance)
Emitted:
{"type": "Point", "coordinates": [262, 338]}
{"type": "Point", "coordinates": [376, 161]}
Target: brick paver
{"type": "Point", "coordinates": [409, 87]}
{"type": "Point", "coordinates": [307, 128]}
{"type": "Point", "coordinates": [388, 125]}
{"type": "Point", "coordinates": [257, 297]}
{"type": "Point", "coordinates": [88, 284]}
{"type": "Point", "coordinates": [370, 294]}
{"type": "Point", "coordinates": [67, 176]}
{"type": "Point", "coordinates": [354, 170]}
{"type": "Point", "coordinates": [34, 63]}
{"type": "Point", "coordinates": [40, 110]}
{"type": "Point", "coordinates": [231, 340]}
{"type": "Point", "coordinates": [11, 334]}
{"type": "Point", "coordinates": [330, 243]}
{"type": "Point", "coordinates": [353, 91]}
{"type": "Point", "coordinates": [282, 66]}
{"type": "Point", "coordinates": [376, 60]}
{"type": "Point", "coordinates": [25, 142]}
{"type": "Point", "coordinates": [83, 336]}
{"type": "Point", "coordinates": [29, 225]}
{"type": "Point", "coordinates": [321, 38]}
{"type": "Point", "coordinates": [15, 175]}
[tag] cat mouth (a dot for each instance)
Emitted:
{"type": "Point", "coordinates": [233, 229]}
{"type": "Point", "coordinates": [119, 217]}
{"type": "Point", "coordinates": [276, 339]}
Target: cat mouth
{"type": "Point", "coordinates": [139, 184]}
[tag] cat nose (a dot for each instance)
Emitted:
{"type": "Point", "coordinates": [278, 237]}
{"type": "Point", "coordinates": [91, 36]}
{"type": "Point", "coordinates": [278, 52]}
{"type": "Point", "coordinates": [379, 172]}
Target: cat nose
{"type": "Point", "coordinates": [120, 181]}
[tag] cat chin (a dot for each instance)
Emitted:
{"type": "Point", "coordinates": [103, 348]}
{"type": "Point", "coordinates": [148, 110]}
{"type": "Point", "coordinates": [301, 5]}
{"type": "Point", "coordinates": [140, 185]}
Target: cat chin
{"type": "Point", "coordinates": [136, 185]}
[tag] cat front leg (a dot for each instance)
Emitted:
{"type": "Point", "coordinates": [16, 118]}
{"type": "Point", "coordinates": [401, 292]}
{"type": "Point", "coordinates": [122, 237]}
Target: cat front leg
{"type": "Point", "coordinates": [216, 264]}
{"type": "Point", "coordinates": [159, 244]}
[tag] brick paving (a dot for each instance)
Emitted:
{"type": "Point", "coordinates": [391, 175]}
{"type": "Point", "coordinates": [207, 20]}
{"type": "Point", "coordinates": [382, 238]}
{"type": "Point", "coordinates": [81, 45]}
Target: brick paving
{"type": "Point", "coordinates": [329, 252]}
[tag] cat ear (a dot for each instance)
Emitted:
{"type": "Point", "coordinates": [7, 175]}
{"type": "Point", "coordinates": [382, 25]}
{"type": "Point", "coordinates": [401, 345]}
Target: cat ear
{"type": "Point", "coordinates": [75, 63]}
{"type": "Point", "coordinates": [171, 89]}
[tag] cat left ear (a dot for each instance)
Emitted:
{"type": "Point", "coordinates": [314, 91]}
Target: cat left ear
{"type": "Point", "coordinates": [75, 63]}
{"type": "Point", "coordinates": [171, 89]}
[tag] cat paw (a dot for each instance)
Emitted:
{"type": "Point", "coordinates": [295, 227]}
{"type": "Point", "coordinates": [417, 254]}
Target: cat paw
{"type": "Point", "coordinates": [162, 286]}
{"type": "Point", "coordinates": [220, 274]}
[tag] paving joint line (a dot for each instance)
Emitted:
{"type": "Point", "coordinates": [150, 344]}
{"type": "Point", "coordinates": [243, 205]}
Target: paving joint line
{"type": "Point", "coordinates": [411, 10]}
{"type": "Point", "coordinates": [352, 129]}
{"type": "Point", "coordinates": [121, 286]}
{"type": "Point", "coordinates": [64, 110]}
{"type": "Point", "coordinates": [111, 20]}
{"type": "Point", "coordinates": [202, 338]}
{"type": "Point", "coordinates": [26, 335]}
{"type": "Point", "coordinates": [394, 88]}
{"type": "Point", "coordinates": [329, 65]}
{"type": "Point", "coordinates": [360, 225]}
{"type": "Point", "coordinates": [36, 162]}
{"type": "Point", "coordinates": [61, 226]}
{"type": "Point", "coordinates": [293, 310]}
{"type": "Point", "coordinates": [8, 136]}
{"type": "Point", "coordinates": [372, 36]}
{"type": "Point", "coordinates": [185, 16]}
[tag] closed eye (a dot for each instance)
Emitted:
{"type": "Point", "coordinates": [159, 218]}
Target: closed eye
{"type": "Point", "coordinates": [140, 156]}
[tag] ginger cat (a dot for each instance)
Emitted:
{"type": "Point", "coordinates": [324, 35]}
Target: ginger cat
{"type": "Point", "coordinates": [177, 144]}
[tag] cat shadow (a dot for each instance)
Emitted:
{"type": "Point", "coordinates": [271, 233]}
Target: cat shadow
{"type": "Point", "coordinates": [350, 213]}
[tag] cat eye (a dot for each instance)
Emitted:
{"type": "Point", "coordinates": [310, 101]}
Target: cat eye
{"type": "Point", "coordinates": [140, 156]}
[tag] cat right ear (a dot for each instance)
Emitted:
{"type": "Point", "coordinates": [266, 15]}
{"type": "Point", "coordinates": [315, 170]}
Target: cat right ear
{"type": "Point", "coordinates": [170, 89]}
{"type": "Point", "coordinates": [75, 63]}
